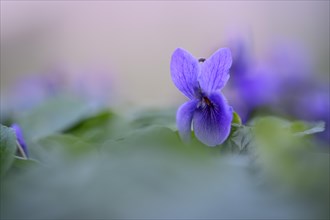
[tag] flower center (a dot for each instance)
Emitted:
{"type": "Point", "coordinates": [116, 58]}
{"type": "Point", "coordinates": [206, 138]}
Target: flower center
{"type": "Point", "coordinates": [207, 101]}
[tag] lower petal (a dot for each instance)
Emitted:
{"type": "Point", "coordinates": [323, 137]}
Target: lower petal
{"type": "Point", "coordinates": [212, 122]}
{"type": "Point", "coordinates": [184, 117]}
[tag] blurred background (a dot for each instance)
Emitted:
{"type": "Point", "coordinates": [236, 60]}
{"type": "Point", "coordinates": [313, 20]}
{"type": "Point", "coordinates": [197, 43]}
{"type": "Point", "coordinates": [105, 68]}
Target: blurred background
{"type": "Point", "coordinates": [107, 163]}
{"type": "Point", "coordinates": [132, 42]}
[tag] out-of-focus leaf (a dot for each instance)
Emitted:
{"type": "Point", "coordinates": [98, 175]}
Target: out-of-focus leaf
{"type": "Point", "coordinates": [154, 139]}
{"type": "Point", "coordinates": [67, 146]}
{"type": "Point", "coordinates": [100, 127]}
{"type": "Point", "coordinates": [291, 161]}
{"type": "Point", "coordinates": [24, 164]}
{"type": "Point", "coordinates": [149, 174]}
{"type": "Point", "coordinates": [240, 139]}
{"type": "Point", "coordinates": [145, 118]}
{"type": "Point", "coordinates": [54, 115]}
{"type": "Point", "coordinates": [7, 148]}
{"type": "Point", "coordinates": [302, 128]}
{"type": "Point", "coordinates": [145, 171]}
{"type": "Point", "coordinates": [299, 128]}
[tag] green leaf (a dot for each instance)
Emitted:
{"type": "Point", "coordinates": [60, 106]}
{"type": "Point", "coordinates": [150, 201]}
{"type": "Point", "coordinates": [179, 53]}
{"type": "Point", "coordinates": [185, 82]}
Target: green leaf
{"type": "Point", "coordinates": [98, 128]}
{"type": "Point", "coordinates": [300, 128]}
{"type": "Point", "coordinates": [152, 165]}
{"type": "Point", "coordinates": [54, 115]}
{"type": "Point", "coordinates": [7, 148]}
{"type": "Point", "coordinates": [289, 157]}
{"type": "Point", "coordinates": [107, 125]}
{"type": "Point", "coordinates": [144, 118]}
{"type": "Point", "coordinates": [240, 139]}
{"type": "Point", "coordinates": [156, 140]}
{"type": "Point", "coordinates": [63, 145]}
{"type": "Point", "coordinates": [23, 164]}
{"type": "Point", "coordinates": [236, 119]}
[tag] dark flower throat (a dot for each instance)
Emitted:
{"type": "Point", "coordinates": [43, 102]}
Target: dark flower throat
{"type": "Point", "coordinates": [207, 101]}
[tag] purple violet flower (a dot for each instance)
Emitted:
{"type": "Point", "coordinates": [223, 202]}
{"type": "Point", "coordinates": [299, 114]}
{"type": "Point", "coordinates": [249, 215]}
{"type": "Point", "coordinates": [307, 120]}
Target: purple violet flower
{"type": "Point", "coordinates": [255, 84]}
{"type": "Point", "coordinates": [20, 139]}
{"type": "Point", "coordinates": [30, 91]}
{"type": "Point", "coordinates": [201, 81]}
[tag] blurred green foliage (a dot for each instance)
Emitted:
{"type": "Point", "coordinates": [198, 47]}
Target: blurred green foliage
{"type": "Point", "coordinates": [7, 148]}
{"type": "Point", "coordinates": [95, 163]}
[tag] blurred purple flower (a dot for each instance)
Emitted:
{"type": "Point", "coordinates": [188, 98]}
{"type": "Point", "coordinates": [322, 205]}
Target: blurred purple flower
{"type": "Point", "coordinates": [255, 84]}
{"type": "Point", "coordinates": [201, 81]}
{"type": "Point", "coordinates": [33, 90]}
{"type": "Point", "coordinates": [284, 82]}
{"type": "Point", "coordinates": [93, 85]}
{"type": "Point", "coordinates": [290, 62]}
{"type": "Point", "coordinates": [302, 93]}
{"type": "Point", "coordinates": [20, 139]}
{"type": "Point", "coordinates": [30, 91]}
{"type": "Point", "coordinates": [313, 104]}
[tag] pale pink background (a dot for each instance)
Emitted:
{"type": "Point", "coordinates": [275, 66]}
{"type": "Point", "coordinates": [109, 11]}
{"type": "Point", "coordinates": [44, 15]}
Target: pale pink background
{"type": "Point", "coordinates": [135, 39]}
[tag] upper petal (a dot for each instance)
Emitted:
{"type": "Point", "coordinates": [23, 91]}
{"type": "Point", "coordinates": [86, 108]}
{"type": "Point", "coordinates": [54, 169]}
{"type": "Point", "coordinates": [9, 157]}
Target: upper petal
{"type": "Point", "coordinates": [184, 72]}
{"type": "Point", "coordinates": [184, 117]}
{"type": "Point", "coordinates": [212, 122]}
{"type": "Point", "coordinates": [215, 71]}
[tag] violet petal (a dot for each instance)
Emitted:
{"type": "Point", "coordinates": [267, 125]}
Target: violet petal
{"type": "Point", "coordinates": [212, 123]}
{"type": "Point", "coordinates": [184, 71]}
{"type": "Point", "coordinates": [184, 117]}
{"type": "Point", "coordinates": [215, 71]}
